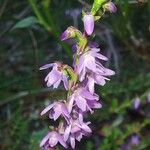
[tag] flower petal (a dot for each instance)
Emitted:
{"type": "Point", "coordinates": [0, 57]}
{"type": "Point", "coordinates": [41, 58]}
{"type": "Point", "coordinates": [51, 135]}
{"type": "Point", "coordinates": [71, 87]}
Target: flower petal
{"type": "Point", "coordinates": [65, 81]}
{"type": "Point", "coordinates": [53, 140]}
{"type": "Point", "coordinates": [65, 111]}
{"type": "Point", "coordinates": [61, 141]}
{"type": "Point", "coordinates": [72, 142]}
{"type": "Point", "coordinates": [52, 77]}
{"type": "Point", "coordinates": [100, 56]}
{"type": "Point", "coordinates": [78, 136]}
{"type": "Point", "coordinates": [81, 103]}
{"type": "Point", "coordinates": [86, 94]}
{"type": "Point", "coordinates": [108, 72]}
{"type": "Point", "coordinates": [80, 65]}
{"type": "Point", "coordinates": [75, 129]}
{"type": "Point", "coordinates": [45, 139]}
{"type": "Point", "coordinates": [56, 114]}
{"type": "Point", "coordinates": [90, 63]}
{"type": "Point", "coordinates": [70, 103]}
{"type": "Point", "coordinates": [67, 132]}
{"type": "Point", "coordinates": [47, 109]}
{"type": "Point", "coordinates": [56, 84]}
{"type": "Point", "coordinates": [46, 66]}
{"type": "Point", "coordinates": [86, 128]}
{"type": "Point", "coordinates": [64, 35]}
{"type": "Point", "coordinates": [82, 74]}
{"type": "Point", "coordinates": [100, 80]}
{"type": "Point", "coordinates": [88, 23]}
{"type": "Point", "coordinates": [91, 84]}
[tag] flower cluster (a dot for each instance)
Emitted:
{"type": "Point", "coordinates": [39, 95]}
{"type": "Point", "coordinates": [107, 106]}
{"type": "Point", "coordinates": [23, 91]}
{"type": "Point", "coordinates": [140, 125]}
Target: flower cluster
{"type": "Point", "coordinates": [79, 80]}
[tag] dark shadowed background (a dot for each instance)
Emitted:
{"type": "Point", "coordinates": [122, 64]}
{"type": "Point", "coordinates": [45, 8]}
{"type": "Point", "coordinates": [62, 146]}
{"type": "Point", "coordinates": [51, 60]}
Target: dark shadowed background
{"type": "Point", "coordinates": [29, 38]}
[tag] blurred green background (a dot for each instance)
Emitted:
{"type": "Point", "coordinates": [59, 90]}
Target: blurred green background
{"type": "Point", "coordinates": [29, 38]}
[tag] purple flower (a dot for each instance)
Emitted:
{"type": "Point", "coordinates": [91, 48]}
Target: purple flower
{"type": "Point", "coordinates": [137, 103]}
{"type": "Point", "coordinates": [74, 48]}
{"type": "Point", "coordinates": [70, 32]}
{"type": "Point", "coordinates": [93, 45]}
{"type": "Point", "coordinates": [79, 81]}
{"type": "Point", "coordinates": [56, 75]}
{"type": "Point", "coordinates": [84, 100]}
{"type": "Point", "coordinates": [135, 140]}
{"type": "Point", "coordinates": [64, 35]}
{"type": "Point", "coordinates": [88, 63]}
{"type": "Point", "coordinates": [99, 77]}
{"type": "Point", "coordinates": [47, 147]}
{"type": "Point", "coordinates": [55, 110]}
{"type": "Point", "coordinates": [88, 21]}
{"type": "Point", "coordinates": [75, 130]}
{"type": "Point", "coordinates": [148, 98]}
{"type": "Point", "coordinates": [51, 140]}
{"type": "Point", "coordinates": [110, 6]}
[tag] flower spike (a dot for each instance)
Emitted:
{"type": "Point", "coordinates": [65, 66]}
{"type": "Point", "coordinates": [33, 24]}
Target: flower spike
{"type": "Point", "coordinates": [79, 81]}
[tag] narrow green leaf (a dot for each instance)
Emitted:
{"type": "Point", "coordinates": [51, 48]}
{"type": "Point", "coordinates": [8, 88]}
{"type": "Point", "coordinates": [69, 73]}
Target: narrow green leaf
{"type": "Point", "coordinates": [26, 22]}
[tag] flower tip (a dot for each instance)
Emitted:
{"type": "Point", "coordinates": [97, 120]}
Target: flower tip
{"type": "Point", "coordinates": [137, 103]}
{"type": "Point", "coordinates": [63, 36]}
{"type": "Point", "coordinates": [42, 143]}
{"type": "Point", "coordinates": [42, 113]}
{"type": "Point", "coordinates": [111, 7]}
{"type": "Point", "coordinates": [88, 21]}
{"type": "Point", "coordinates": [46, 66]}
{"type": "Point", "coordinates": [100, 106]}
{"type": "Point", "coordinates": [42, 68]}
{"type": "Point", "coordinates": [113, 72]}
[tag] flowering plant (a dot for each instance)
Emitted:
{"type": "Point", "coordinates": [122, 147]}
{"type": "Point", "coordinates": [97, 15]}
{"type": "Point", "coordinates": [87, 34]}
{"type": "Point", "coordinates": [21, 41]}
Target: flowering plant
{"type": "Point", "coordinates": [79, 81]}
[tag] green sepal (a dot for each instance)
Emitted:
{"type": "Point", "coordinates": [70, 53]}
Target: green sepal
{"type": "Point", "coordinates": [82, 44]}
{"type": "Point", "coordinates": [78, 34]}
{"type": "Point", "coordinates": [73, 75]}
{"type": "Point", "coordinates": [82, 41]}
{"type": "Point", "coordinates": [96, 18]}
{"type": "Point", "coordinates": [83, 13]}
{"type": "Point", "coordinates": [96, 6]}
{"type": "Point", "coordinates": [46, 3]}
{"type": "Point", "coordinates": [68, 71]}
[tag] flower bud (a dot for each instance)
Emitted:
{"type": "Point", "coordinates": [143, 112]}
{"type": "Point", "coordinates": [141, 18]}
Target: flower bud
{"type": "Point", "coordinates": [88, 20]}
{"type": "Point", "coordinates": [110, 7]}
{"type": "Point", "coordinates": [137, 103]}
{"type": "Point", "coordinates": [71, 32]}
{"type": "Point", "coordinates": [135, 139]}
{"type": "Point", "coordinates": [148, 98]}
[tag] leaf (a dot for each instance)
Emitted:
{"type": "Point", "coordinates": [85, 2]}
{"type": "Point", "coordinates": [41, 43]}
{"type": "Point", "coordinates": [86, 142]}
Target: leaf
{"type": "Point", "coordinates": [26, 22]}
{"type": "Point", "coordinates": [117, 122]}
{"type": "Point", "coordinates": [35, 139]}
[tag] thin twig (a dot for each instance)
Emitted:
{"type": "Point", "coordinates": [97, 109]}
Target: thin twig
{"type": "Point", "coordinates": [23, 13]}
{"type": "Point", "coordinates": [35, 47]}
{"type": "Point", "coordinates": [85, 4]}
{"type": "Point", "coordinates": [23, 94]}
{"type": "Point", "coordinates": [3, 8]}
{"type": "Point", "coordinates": [112, 49]}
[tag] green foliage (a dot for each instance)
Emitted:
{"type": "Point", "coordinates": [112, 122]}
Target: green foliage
{"type": "Point", "coordinates": [89, 145]}
{"type": "Point", "coordinates": [16, 131]}
{"type": "Point", "coordinates": [26, 22]}
{"type": "Point", "coordinates": [22, 94]}
{"type": "Point", "coordinates": [36, 138]}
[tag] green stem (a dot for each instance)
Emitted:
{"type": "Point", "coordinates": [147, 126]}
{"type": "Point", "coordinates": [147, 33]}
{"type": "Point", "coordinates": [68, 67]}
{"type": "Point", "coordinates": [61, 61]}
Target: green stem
{"type": "Point", "coordinates": [49, 24]}
{"type": "Point", "coordinates": [39, 15]}
{"type": "Point", "coordinates": [57, 30]}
